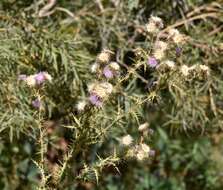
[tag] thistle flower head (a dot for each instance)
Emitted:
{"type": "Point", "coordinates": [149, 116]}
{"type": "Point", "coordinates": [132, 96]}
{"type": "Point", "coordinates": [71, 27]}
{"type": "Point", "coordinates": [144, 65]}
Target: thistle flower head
{"type": "Point", "coordinates": [143, 127]}
{"type": "Point", "coordinates": [104, 56]}
{"type": "Point", "coordinates": [95, 100]}
{"type": "Point", "coordinates": [154, 25]}
{"type": "Point", "coordinates": [40, 77]}
{"type": "Point", "coordinates": [161, 45]}
{"type": "Point", "coordinates": [172, 32]}
{"type": "Point", "coordinates": [36, 79]}
{"type": "Point", "coordinates": [108, 73]}
{"type": "Point", "coordinates": [36, 103]}
{"type": "Point", "coordinates": [94, 67]}
{"type": "Point", "coordinates": [159, 54]}
{"type": "Point", "coordinates": [98, 92]}
{"type": "Point", "coordinates": [115, 66]}
{"type": "Point", "coordinates": [184, 70]}
{"type": "Point", "coordinates": [176, 36]}
{"type": "Point", "coordinates": [81, 105]}
{"type": "Point", "coordinates": [152, 62]}
{"type": "Point", "coordinates": [169, 64]}
{"type": "Point", "coordinates": [126, 140]}
{"type": "Point", "coordinates": [30, 80]}
{"type": "Point", "coordinates": [204, 69]}
{"type": "Point", "coordinates": [142, 151]}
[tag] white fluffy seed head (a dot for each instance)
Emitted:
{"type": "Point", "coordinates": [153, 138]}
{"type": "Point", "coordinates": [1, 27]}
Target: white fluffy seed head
{"type": "Point", "coordinates": [81, 105]}
{"type": "Point", "coordinates": [142, 151]}
{"type": "Point", "coordinates": [205, 69]}
{"type": "Point", "coordinates": [173, 32]}
{"type": "Point", "coordinates": [100, 89]}
{"type": "Point", "coordinates": [184, 70]}
{"type": "Point", "coordinates": [154, 25]}
{"type": "Point", "coordinates": [31, 81]}
{"type": "Point", "coordinates": [161, 45]}
{"type": "Point", "coordinates": [94, 67]}
{"type": "Point", "coordinates": [126, 140]}
{"type": "Point", "coordinates": [159, 54]}
{"type": "Point", "coordinates": [115, 66]}
{"type": "Point", "coordinates": [143, 127]}
{"type": "Point", "coordinates": [104, 56]}
{"type": "Point", "coordinates": [145, 148]}
{"type": "Point", "coordinates": [170, 64]}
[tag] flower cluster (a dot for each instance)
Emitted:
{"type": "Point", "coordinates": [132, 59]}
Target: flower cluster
{"type": "Point", "coordinates": [104, 67]}
{"type": "Point", "coordinates": [36, 79]}
{"type": "Point", "coordinates": [164, 41]}
{"type": "Point", "coordinates": [100, 90]}
{"type": "Point", "coordinates": [198, 71]}
{"type": "Point", "coordinates": [154, 25]}
{"type": "Point", "coordinates": [140, 151]}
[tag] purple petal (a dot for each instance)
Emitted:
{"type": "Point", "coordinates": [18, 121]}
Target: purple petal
{"type": "Point", "coordinates": [152, 62]}
{"type": "Point", "coordinates": [40, 78]}
{"type": "Point", "coordinates": [178, 51]}
{"type": "Point", "coordinates": [36, 103]}
{"type": "Point", "coordinates": [95, 100]}
{"type": "Point", "coordinates": [108, 73]}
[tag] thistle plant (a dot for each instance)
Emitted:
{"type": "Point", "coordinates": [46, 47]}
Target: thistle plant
{"type": "Point", "coordinates": [91, 91]}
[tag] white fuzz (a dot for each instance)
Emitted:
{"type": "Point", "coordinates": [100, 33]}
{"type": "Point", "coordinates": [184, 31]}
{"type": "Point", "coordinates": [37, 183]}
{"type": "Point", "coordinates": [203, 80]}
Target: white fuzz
{"type": "Point", "coordinates": [101, 89]}
{"type": "Point", "coordinates": [156, 19]}
{"type": "Point", "coordinates": [151, 28]}
{"type": "Point", "coordinates": [114, 66]}
{"type": "Point", "coordinates": [142, 152]}
{"type": "Point", "coordinates": [154, 25]}
{"type": "Point", "coordinates": [90, 87]}
{"type": "Point", "coordinates": [94, 67]}
{"type": "Point", "coordinates": [143, 127]}
{"type": "Point", "coordinates": [30, 80]}
{"type": "Point", "coordinates": [173, 32]}
{"type": "Point", "coordinates": [126, 140]}
{"type": "Point", "coordinates": [81, 105]}
{"type": "Point", "coordinates": [170, 64]}
{"type": "Point", "coordinates": [140, 155]}
{"type": "Point", "coordinates": [104, 56]}
{"type": "Point", "coordinates": [107, 86]}
{"type": "Point", "coordinates": [48, 76]}
{"type": "Point", "coordinates": [161, 45]}
{"type": "Point", "coordinates": [205, 69]}
{"type": "Point", "coordinates": [159, 54]}
{"type": "Point", "coordinates": [145, 148]}
{"type": "Point", "coordinates": [185, 70]}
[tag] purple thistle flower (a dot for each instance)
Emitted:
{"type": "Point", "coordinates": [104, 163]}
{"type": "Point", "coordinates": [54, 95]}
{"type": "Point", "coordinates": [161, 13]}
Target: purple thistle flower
{"type": "Point", "coordinates": [108, 72]}
{"type": "Point", "coordinates": [36, 103]}
{"type": "Point", "coordinates": [178, 51]}
{"type": "Point", "coordinates": [40, 78]}
{"type": "Point", "coordinates": [152, 62]}
{"type": "Point", "coordinates": [95, 100]}
{"type": "Point", "coordinates": [22, 77]}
